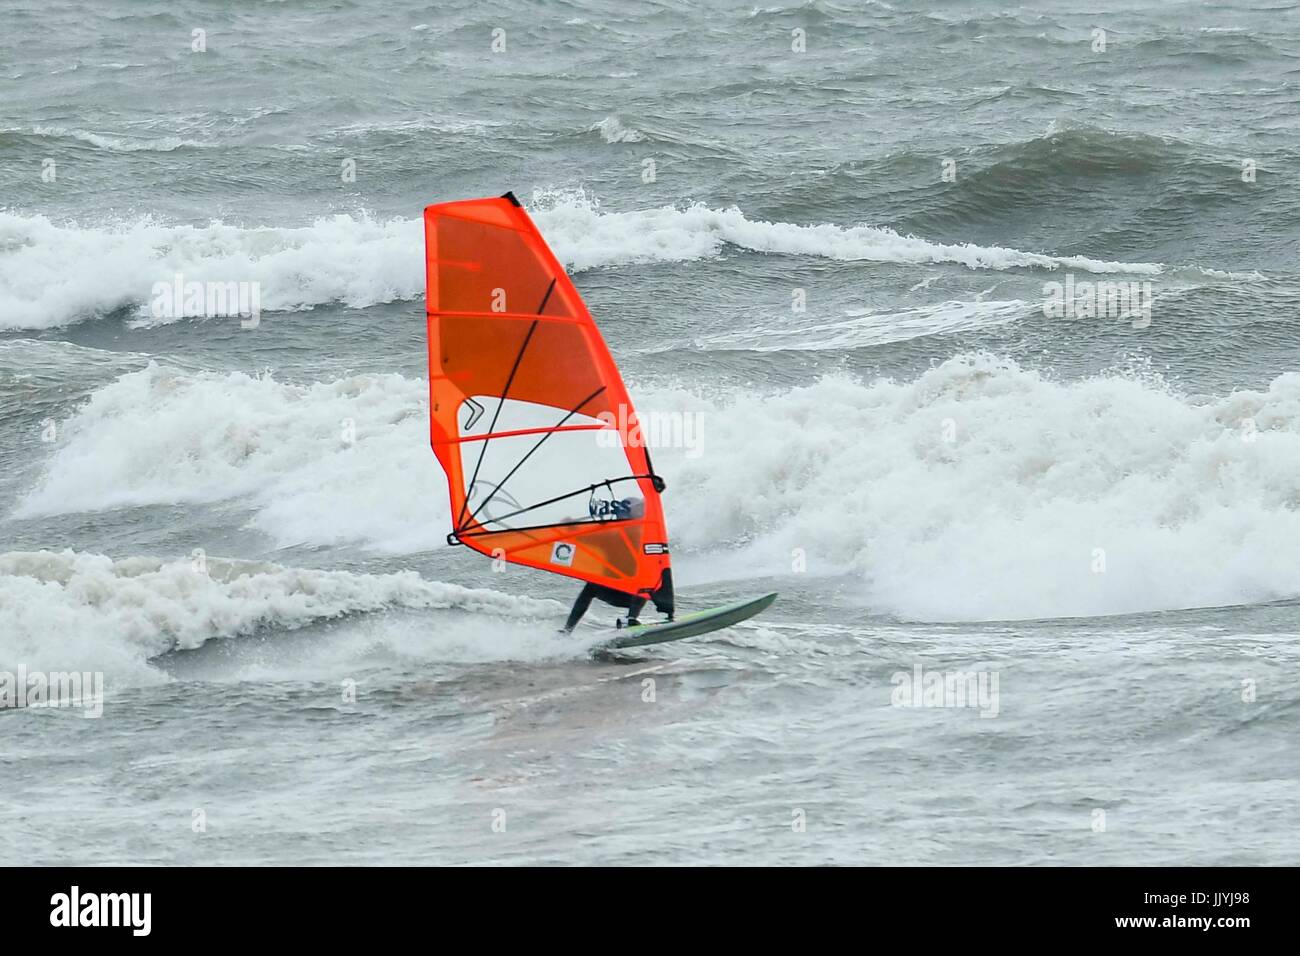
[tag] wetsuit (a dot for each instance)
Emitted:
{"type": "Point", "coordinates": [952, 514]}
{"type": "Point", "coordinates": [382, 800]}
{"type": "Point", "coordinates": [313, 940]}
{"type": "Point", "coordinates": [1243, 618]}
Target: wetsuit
{"type": "Point", "coordinates": [662, 596]}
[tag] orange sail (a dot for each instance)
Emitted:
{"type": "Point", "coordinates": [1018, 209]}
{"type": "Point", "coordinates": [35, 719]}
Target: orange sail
{"type": "Point", "coordinates": [527, 412]}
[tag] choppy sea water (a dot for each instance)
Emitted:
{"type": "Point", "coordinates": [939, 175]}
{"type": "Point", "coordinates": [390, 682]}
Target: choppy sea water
{"type": "Point", "coordinates": [823, 235]}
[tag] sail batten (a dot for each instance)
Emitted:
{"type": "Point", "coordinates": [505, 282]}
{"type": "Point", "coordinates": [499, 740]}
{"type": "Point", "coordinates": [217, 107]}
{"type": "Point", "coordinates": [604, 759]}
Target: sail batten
{"type": "Point", "coordinates": [529, 416]}
{"type": "Point", "coordinates": [524, 431]}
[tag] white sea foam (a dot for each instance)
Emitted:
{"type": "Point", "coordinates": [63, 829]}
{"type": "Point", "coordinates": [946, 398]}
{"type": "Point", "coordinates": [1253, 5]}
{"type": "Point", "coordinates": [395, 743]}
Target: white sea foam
{"type": "Point", "coordinates": [1191, 504]}
{"type": "Point", "coordinates": [585, 238]}
{"type": "Point", "coordinates": [346, 461]}
{"type": "Point", "coordinates": [52, 273]}
{"type": "Point", "coordinates": [69, 610]}
{"type": "Point", "coordinates": [868, 327]}
{"type": "Point", "coordinates": [117, 144]}
{"type": "Point", "coordinates": [979, 490]}
{"type": "Point", "coordinates": [612, 130]}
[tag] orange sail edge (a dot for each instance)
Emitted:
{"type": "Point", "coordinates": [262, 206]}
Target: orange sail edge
{"type": "Point", "coordinates": [528, 414]}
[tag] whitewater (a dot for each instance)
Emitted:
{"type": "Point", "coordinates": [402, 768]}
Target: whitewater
{"type": "Point", "coordinates": [60, 273]}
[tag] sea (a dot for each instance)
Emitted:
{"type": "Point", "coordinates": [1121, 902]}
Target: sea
{"type": "Point", "coordinates": [971, 328]}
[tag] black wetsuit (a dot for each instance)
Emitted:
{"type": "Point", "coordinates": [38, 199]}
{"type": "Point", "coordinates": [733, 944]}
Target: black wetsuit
{"type": "Point", "coordinates": [662, 596]}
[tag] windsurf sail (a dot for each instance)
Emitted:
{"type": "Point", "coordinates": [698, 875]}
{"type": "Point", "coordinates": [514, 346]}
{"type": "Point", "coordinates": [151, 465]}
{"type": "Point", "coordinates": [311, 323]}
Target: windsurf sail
{"type": "Point", "coordinates": [528, 416]}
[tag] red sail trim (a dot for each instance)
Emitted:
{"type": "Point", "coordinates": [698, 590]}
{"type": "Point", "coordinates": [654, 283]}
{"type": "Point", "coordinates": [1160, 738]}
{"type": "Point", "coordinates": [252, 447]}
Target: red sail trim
{"type": "Point", "coordinates": [521, 385]}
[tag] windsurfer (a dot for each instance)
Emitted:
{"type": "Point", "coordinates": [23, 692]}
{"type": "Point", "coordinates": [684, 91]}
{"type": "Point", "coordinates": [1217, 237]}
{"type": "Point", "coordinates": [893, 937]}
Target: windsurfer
{"type": "Point", "coordinates": [623, 509]}
{"type": "Point", "coordinates": [523, 402]}
{"type": "Point", "coordinates": [662, 597]}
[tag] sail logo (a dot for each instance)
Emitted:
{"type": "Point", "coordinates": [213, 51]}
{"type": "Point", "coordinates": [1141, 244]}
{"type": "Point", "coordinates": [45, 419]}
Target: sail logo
{"type": "Point", "coordinates": [179, 299]}
{"type": "Point", "coordinates": [53, 689]}
{"type": "Point", "coordinates": [619, 509]}
{"type": "Point", "coordinates": [651, 430]}
{"type": "Point", "coordinates": [132, 910]}
{"type": "Point", "coordinates": [1101, 300]}
{"type": "Point", "coordinates": [922, 688]}
{"type": "Point", "coordinates": [562, 553]}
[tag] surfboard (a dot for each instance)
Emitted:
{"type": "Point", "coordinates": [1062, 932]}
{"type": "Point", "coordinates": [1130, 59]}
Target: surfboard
{"type": "Point", "coordinates": [688, 625]}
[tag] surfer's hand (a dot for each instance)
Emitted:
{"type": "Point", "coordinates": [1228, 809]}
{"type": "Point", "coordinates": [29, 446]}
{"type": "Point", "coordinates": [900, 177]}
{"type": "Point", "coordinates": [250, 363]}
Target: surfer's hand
{"type": "Point", "coordinates": [658, 483]}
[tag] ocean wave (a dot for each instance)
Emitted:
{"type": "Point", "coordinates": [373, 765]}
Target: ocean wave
{"type": "Point", "coordinates": [54, 274]}
{"type": "Point", "coordinates": [77, 611]}
{"type": "Point", "coordinates": [1211, 47]}
{"type": "Point", "coordinates": [587, 238]}
{"type": "Point", "coordinates": [982, 490]}
{"type": "Point", "coordinates": [342, 462]}
{"type": "Point", "coordinates": [117, 144]}
{"type": "Point", "coordinates": [816, 11]}
{"type": "Point", "coordinates": [40, 377]}
{"type": "Point", "coordinates": [979, 490]}
{"type": "Point", "coordinates": [1060, 162]}
{"type": "Point", "coordinates": [1163, 180]}
{"type": "Point", "coordinates": [863, 328]}
{"type": "Point", "coordinates": [1080, 146]}
{"type": "Point", "coordinates": [420, 127]}
{"type": "Point", "coordinates": [612, 130]}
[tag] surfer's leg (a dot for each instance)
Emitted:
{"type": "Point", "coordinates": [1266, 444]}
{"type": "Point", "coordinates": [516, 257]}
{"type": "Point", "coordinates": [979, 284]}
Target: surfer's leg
{"type": "Point", "coordinates": [663, 596]}
{"type": "Point", "coordinates": [580, 606]}
{"type": "Point", "coordinates": [634, 607]}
